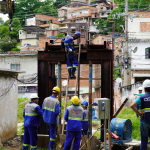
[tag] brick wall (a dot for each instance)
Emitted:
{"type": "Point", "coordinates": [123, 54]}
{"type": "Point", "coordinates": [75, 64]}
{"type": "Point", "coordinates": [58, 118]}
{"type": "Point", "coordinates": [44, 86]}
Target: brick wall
{"type": "Point", "coordinates": [84, 74]}
{"type": "Point", "coordinates": [145, 26]}
{"type": "Point", "coordinates": [45, 17]}
{"type": "Point", "coordinates": [52, 32]}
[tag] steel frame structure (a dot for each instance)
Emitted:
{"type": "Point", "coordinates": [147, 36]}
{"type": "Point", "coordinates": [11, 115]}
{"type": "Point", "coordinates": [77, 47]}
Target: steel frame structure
{"type": "Point", "coordinates": [92, 54]}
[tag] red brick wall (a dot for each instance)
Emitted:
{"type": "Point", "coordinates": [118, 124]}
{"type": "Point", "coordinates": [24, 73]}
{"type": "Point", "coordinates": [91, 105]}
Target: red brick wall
{"type": "Point", "coordinates": [55, 19]}
{"type": "Point", "coordinates": [145, 26]}
{"type": "Point", "coordinates": [52, 32]}
{"type": "Point", "coordinates": [84, 74]}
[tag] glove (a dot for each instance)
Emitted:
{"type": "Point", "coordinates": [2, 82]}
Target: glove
{"type": "Point", "coordinates": [95, 104]}
{"type": "Point", "coordinates": [69, 50]}
{"type": "Point", "coordinates": [74, 52]}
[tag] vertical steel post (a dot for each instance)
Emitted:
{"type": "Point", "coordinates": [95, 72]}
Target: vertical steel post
{"type": "Point", "coordinates": [59, 85]}
{"type": "Point", "coordinates": [90, 97]}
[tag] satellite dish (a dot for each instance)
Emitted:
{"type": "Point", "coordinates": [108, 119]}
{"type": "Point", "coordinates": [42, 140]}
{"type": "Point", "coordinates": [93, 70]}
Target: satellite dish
{"type": "Point", "coordinates": [118, 80]}
{"type": "Point", "coordinates": [64, 83]}
{"type": "Point", "coordinates": [135, 49]}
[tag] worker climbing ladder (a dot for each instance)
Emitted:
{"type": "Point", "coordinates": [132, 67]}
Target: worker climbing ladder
{"type": "Point", "coordinates": [77, 78]}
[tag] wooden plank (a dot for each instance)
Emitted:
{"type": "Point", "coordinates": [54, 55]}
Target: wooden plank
{"type": "Point", "coordinates": [133, 143]}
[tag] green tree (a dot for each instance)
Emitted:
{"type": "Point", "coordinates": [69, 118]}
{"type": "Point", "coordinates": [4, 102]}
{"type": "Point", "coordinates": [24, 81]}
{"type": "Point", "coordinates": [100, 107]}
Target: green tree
{"type": "Point", "coordinates": [9, 38]}
{"type": "Point", "coordinates": [135, 4]}
{"type": "Point", "coordinates": [106, 26]}
{"type": "Point", "coordinates": [1, 20]}
{"type": "Point", "coordinates": [60, 35]}
{"type": "Point", "coordinates": [24, 8]}
{"type": "Point", "coordinates": [49, 10]}
{"type": "Point", "coordinates": [58, 2]}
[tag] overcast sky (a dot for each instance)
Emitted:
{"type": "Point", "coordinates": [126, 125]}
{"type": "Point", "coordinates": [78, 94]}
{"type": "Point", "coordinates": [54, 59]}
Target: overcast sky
{"type": "Point", "coordinates": [4, 17]}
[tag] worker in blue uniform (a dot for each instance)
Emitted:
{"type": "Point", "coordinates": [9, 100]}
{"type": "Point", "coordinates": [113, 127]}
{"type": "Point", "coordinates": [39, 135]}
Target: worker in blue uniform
{"type": "Point", "coordinates": [144, 113]}
{"type": "Point", "coordinates": [74, 116]}
{"type": "Point", "coordinates": [85, 121]}
{"type": "Point", "coordinates": [72, 62]}
{"type": "Point", "coordinates": [51, 109]}
{"type": "Point", "coordinates": [32, 116]}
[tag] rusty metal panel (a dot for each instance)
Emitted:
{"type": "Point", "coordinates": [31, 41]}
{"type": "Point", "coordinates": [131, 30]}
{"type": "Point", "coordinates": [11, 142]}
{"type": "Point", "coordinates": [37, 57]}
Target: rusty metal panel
{"type": "Point", "coordinates": [46, 81]}
{"type": "Point", "coordinates": [42, 91]}
{"type": "Point", "coordinates": [51, 55]}
{"type": "Point", "coordinates": [107, 86]}
{"type": "Point", "coordinates": [99, 54]}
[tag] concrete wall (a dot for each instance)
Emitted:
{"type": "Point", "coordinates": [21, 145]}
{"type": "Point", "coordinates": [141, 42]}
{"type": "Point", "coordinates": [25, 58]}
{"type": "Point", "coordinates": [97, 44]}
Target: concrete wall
{"type": "Point", "coordinates": [139, 28]}
{"type": "Point", "coordinates": [8, 107]}
{"type": "Point", "coordinates": [33, 42]}
{"type": "Point", "coordinates": [138, 59]}
{"type": "Point", "coordinates": [31, 21]}
{"type": "Point", "coordinates": [128, 92]}
{"type": "Point", "coordinates": [25, 61]}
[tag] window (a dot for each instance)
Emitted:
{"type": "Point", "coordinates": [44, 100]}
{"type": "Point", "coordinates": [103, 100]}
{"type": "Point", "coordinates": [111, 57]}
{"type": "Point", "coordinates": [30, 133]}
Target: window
{"type": "Point", "coordinates": [15, 66]}
{"type": "Point", "coordinates": [147, 53]}
{"type": "Point", "coordinates": [102, 14]}
{"type": "Point", "coordinates": [109, 39]}
{"type": "Point", "coordinates": [51, 41]}
{"type": "Point", "coordinates": [102, 39]}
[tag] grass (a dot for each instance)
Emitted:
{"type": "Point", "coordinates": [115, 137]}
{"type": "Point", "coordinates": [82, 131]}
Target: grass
{"type": "Point", "coordinates": [21, 106]}
{"type": "Point", "coordinates": [130, 114]}
{"type": "Point", "coordinates": [62, 107]}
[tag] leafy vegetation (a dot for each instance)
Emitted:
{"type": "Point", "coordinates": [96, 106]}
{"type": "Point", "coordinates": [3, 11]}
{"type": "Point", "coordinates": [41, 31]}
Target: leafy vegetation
{"type": "Point", "coordinates": [21, 104]}
{"type": "Point", "coordinates": [117, 72]}
{"type": "Point", "coordinates": [60, 35]}
{"type": "Point", "coordinates": [135, 4]}
{"type": "Point", "coordinates": [106, 26]}
{"type": "Point", "coordinates": [9, 39]}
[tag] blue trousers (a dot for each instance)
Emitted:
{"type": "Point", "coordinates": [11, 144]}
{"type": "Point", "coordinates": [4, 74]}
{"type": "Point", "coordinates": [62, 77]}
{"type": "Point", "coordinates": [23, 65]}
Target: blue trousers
{"type": "Point", "coordinates": [69, 138]}
{"type": "Point", "coordinates": [72, 61]}
{"type": "Point", "coordinates": [145, 133]}
{"type": "Point", "coordinates": [30, 138]}
{"type": "Point", "coordinates": [52, 133]}
{"type": "Point", "coordinates": [85, 131]}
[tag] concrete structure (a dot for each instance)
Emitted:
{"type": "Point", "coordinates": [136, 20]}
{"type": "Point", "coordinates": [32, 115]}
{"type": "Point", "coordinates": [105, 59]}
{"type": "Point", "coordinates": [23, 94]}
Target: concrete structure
{"type": "Point", "coordinates": [37, 19]}
{"type": "Point", "coordinates": [29, 37]}
{"type": "Point", "coordinates": [8, 104]}
{"type": "Point", "coordinates": [139, 33]}
{"type": "Point", "coordinates": [22, 61]}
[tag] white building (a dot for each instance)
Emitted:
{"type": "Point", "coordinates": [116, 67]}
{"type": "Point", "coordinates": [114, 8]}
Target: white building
{"type": "Point", "coordinates": [26, 62]}
{"type": "Point", "coordinates": [139, 36]}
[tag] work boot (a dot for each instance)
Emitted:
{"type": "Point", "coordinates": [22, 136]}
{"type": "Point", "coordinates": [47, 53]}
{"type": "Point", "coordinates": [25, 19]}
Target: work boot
{"type": "Point", "coordinates": [73, 70]}
{"type": "Point", "coordinates": [69, 71]}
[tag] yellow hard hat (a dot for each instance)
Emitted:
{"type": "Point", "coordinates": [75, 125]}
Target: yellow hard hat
{"type": "Point", "coordinates": [56, 89]}
{"type": "Point", "coordinates": [75, 100]}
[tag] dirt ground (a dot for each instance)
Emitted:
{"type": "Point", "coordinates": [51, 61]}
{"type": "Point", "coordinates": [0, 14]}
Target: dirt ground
{"type": "Point", "coordinates": [13, 144]}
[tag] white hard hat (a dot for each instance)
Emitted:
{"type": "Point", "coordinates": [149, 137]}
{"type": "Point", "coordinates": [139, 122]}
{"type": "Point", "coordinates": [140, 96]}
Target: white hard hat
{"type": "Point", "coordinates": [146, 84]}
{"type": "Point", "coordinates": [140, 88]}
{"type": "Point", "coordinates": [32, 96]}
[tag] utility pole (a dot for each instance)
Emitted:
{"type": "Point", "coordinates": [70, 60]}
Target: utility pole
{"type": "Point", "coordinates": [126, 77]}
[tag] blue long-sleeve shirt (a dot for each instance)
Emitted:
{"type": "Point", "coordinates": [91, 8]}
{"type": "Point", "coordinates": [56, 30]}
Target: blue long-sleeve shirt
{"type": "Point", "coordinates": [68, 42]}
{"type": "Point", "coordinates": [49, 115]}
{"type": "Point", "coordinates": [33, 120]}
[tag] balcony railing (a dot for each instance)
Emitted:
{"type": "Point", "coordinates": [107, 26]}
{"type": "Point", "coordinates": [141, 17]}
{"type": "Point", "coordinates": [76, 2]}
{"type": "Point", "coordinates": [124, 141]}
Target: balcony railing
{"type": "Point", "coordinates": [31, 36]}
